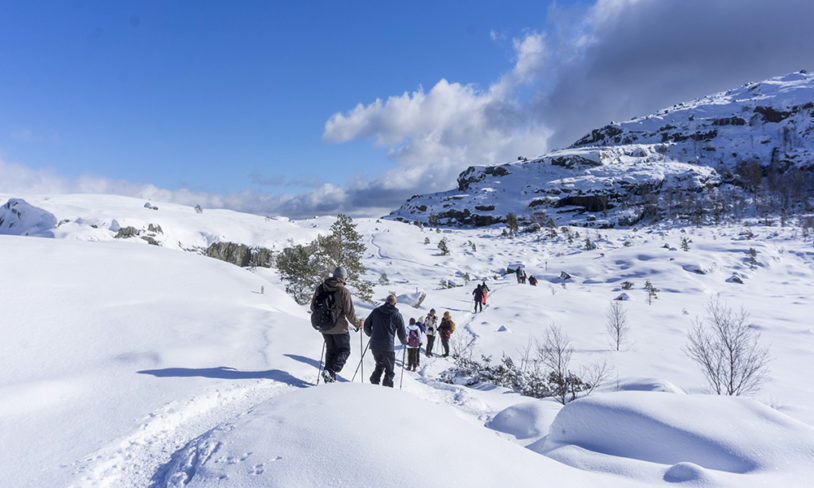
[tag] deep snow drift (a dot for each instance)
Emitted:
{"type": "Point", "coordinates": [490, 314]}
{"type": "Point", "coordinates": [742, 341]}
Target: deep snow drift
{"type": "Point", "coordinates": [127, 364]}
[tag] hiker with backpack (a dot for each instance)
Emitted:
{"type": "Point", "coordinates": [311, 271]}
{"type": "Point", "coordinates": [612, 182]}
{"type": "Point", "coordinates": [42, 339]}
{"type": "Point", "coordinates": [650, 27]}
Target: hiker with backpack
{"type": "Point", "coordinates": [478, 292]}
{"type": "Point", "coordinates": [519, 274]}
{"type": "Point", "coordinates": [485, 290]}
{"type": "Point", "coordinates": [533, 280]}
{"type": "Point", "coordinates": [413, 345]}
{"type": "Point", "coordinates": [382, 325]}
{"type": "Point", "coordinates": [431, 324]}
{"type": "Point", "coordinates": [331, 312]}
{"type": "Point", "coordinates": [446, 329]}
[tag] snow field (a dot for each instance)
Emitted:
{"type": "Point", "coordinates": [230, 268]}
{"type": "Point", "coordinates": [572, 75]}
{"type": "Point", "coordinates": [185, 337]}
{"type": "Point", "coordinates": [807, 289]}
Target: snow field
{"type": "Point", "coordinates": [133, 365]}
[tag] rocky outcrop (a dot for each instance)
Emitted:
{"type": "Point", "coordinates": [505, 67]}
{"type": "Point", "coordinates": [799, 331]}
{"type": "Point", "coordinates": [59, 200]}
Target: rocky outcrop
{"type": "Point", "coordinates": [677, 163]}
{"type": "Point", "coordinates": [240, 254]}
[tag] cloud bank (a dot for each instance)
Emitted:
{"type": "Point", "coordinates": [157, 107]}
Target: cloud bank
{"type": "Point", "coordinates": [583, 68]}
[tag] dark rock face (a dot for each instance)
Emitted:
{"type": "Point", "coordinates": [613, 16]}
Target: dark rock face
{"type": "Point", "coordinates": [485, 208]}
{"type": "Point", "coordinates": [240, 254]}
{"type": "Point", "coordinates": [473, 174]}
{"type": "Point", "coordinates": [591, 203]}
{"type": "Point", "coordinates": [605, 134]}
{"type": "Point", "coordinates": [771, 115]}
{"type": "Point", "coordinates": [571, 162]}
{"type": "Point", "coordinates": [126, 232]}
{"type": "Point", "coordinates": [155, 228]}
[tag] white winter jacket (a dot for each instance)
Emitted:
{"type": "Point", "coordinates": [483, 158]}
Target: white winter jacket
{"type": "Point", "coordinates": [431, 322]}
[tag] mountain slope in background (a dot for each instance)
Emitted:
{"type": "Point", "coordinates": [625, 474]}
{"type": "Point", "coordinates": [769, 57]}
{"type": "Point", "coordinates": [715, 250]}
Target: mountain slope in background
{"type": "Point", "coordinates": [709, 155]}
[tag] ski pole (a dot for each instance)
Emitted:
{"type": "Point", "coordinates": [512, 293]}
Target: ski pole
{"type": "Point", "coordinates": [360, 362]}
{"type": "Point", "coordinates": [320, 361]}
{"type": "Point", "coordinates": [403, 355]}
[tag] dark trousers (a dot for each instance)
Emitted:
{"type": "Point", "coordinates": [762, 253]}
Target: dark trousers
{"type": "Point", "coordinates": [430, 341]}
{"type": "Point", "coordinates": [479, 303]}
{"type": "Point", "coordinates": [445, 343]}
{"type": "Point", "coordinates": [412, 356]}
{"type": "Point", "coordinates": [385, 362]}
{"type": "Point", "coordinates": [337, 350]}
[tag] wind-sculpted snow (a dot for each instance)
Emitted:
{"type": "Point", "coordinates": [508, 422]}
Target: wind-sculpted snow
{"type": "Point", "coordinates": [729, 434]}
{"type": "Point", "coordinates": [19, 218]}
{"type": "Point", "coordinates": [354, 435]}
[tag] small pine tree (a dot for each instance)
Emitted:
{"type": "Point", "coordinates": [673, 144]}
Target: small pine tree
{"type": "Point", "coordinates": [426, 240]}
{"type": "Point", "coordinates": [752, 260]}
{"type": "Point", "coordinates": [198, 209]}
{"type": "Point", "coordinates": [474, 247]}
{"type": "Point", "coordinates": [383, 280]}
{"type": "Point", "coordinates": [511, 222]}
{"type": "Point", "coordinates": [442, 245]}
{"type": "Point", "coordinates": [588, 244]}
{"type": "Point", "coordinates": [685, 243]}
{"type": "Point", "coordinates": [651, 292]}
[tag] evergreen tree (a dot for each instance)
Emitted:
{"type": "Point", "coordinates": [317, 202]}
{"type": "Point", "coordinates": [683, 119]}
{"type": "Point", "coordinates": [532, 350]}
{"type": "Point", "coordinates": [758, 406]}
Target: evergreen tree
{"type": "Point", "coordinates": [442, 245]}
{"type": "Point", "coordinates": [297, 265]}
{"type": "Point", "coordinates": [344, 247]}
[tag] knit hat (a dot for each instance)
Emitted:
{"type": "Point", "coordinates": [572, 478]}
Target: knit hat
{"type": "Point", "coordinates": [340, 272]}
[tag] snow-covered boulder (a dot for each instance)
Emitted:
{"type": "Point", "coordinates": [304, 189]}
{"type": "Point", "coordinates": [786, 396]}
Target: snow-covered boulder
{"type": "Point", "coordinates": [19, 218]}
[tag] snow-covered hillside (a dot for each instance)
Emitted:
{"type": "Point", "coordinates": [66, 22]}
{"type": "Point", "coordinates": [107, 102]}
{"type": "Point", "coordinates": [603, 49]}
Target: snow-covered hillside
{"type": "Point", "coordinates": [715, 147]}
{"type": "Point", "coordinates": [133, 365]}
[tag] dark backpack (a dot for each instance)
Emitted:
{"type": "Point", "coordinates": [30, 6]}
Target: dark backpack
{"type": "Point", "coordinates": [412, 339]}
{"type": "Point", "coordinates": [323, 316]}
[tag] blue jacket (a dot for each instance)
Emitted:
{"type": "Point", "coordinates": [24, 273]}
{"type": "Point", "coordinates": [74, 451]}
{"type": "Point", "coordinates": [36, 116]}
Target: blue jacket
{"type": "Point", "coordinates": [382, 325]}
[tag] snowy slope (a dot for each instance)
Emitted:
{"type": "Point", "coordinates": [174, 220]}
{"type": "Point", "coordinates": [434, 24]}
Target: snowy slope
{"type": "Point", "coordinates": [127, 364]}
{"type": "Point", "coordinates": [690, 148]}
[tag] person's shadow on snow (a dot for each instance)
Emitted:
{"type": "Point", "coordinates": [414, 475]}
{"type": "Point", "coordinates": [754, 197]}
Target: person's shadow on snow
{"type": "Point", "coordinates": [226, 373]}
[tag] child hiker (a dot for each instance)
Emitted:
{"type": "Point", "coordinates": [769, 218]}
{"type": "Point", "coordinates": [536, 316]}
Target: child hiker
{"type": "Point", "coordinates": [413, 345]}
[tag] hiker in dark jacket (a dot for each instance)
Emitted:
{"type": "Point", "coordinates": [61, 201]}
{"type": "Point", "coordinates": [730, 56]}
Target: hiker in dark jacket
{"type": "Point", "coordinates": [478, 292]}
{"type": "Point", "coordinates": [382, 325]}
{"type": "Point", "coordinates": [337, 339]}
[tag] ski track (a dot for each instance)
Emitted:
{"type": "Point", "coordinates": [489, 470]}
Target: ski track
{"type": "Point", "coordinates": [136, 459]}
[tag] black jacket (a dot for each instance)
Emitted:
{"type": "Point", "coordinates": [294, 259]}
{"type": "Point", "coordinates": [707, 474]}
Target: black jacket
{"type": "Point", "coordinates": [382, 325]}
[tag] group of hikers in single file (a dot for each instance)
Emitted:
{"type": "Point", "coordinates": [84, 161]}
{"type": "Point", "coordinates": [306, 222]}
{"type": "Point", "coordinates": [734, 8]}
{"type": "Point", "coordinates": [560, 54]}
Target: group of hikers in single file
{"type": "Point", "coordinates": [333, 313]}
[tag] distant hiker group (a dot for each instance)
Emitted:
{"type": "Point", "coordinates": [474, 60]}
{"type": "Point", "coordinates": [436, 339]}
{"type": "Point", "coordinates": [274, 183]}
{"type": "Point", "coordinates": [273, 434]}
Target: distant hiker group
{"type": "Point", "coordinates": [481, 292]}
{"type": "Point", "coordinates": [332, 310]}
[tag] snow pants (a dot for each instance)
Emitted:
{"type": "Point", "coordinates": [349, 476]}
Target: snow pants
{"type": "Point", "coordinates": [337, 350]}
{"type": "Point", "coordinates": [412, 357]}
{"type": "Point", "coordinates": [479, 303]}
{"type": "Point", "coordinates": [445, 343]}
{"type": "Point", "coordinates": [385, 363]}
{"type": "Point", "coordinates": [430, 341]}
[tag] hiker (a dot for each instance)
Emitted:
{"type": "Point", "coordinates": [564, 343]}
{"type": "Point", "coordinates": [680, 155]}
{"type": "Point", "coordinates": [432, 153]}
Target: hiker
{"type": "Point", "coordinates": [431, 324]}
{"type": "Point", "coordinates": [519, 274]}
{"type": "Point", "coordinates": [523, 278]}
{"type": "Point", "coordinates": [337, 339]}
{"type": "Point", "coordinates": [478, 292]}
{"type": "Point", "coordinates": [485, 291]}
{"type": "Point", "coordinates": [533, 280]}
{"type": "Point", "coordinates": [413, 345]}
{"type": "Point", "coordinates": [446, 329]}
{"type": "Point", "coordinates": [381, 326]}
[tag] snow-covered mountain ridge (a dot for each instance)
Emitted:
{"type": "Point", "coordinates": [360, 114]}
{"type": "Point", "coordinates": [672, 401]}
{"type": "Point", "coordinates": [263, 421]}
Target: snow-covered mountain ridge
{"type": "Point", "coordinates": [719, 148]}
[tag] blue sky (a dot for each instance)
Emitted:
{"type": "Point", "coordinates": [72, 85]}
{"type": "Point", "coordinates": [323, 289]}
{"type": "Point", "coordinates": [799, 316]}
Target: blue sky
{"type": "Point", "coordinates": [272, 107]}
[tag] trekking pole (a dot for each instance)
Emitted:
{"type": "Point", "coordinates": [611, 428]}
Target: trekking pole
{"type": "Point", "coordinates": [320, 361]}
{"type": "Point", "coordinates": [360, 361]}
{"type": "Point", "coordinates": [403, 355]}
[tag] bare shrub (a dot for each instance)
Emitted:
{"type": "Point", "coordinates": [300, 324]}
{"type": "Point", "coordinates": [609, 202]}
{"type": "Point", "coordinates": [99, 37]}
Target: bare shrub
{"type": "Point", "coordinates": [728, 351]}
{"type": "Point", "coordinates": [617, 323]}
